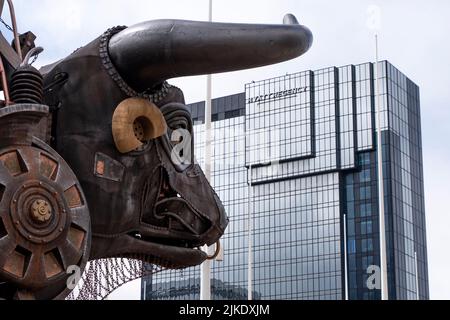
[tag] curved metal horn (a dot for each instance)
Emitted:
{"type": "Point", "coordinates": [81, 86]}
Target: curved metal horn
{"type": "Point", "coordinates": [151, 52]}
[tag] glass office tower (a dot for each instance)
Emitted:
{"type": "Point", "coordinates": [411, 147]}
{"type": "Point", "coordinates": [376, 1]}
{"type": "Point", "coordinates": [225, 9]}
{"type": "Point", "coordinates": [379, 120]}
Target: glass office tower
{"type": "Point", "coordinates": [305, 144]}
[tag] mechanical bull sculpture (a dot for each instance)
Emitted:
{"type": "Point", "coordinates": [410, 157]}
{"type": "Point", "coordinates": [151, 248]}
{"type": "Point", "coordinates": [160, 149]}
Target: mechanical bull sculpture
{"type": "Point", "coordinates": [86, 170]}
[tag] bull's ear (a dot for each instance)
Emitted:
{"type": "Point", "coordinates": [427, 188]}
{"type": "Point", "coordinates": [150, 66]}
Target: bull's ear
{"type": "Point", "coordinates": [135, 122]}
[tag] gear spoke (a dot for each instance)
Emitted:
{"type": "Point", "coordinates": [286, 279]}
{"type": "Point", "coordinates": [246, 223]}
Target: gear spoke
{"type": "Point", "coordinates": [36, 268]}
{"type": "Point", "coordinates": [29, 158]}
{"type": "Point", "coordinates": [65, 179]}
{"type": "Point", "coordinates": [79, 218]}
{"type": "Point", "coordinates": [69, 254]}
{"type": "Point", "coordinates": [6, 248]}
{"type": "Point", "coordinates": [5, 175]}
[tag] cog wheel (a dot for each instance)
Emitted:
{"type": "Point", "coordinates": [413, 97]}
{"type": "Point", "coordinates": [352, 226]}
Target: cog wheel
{"type": "Point", "coordinates": [44, 223]}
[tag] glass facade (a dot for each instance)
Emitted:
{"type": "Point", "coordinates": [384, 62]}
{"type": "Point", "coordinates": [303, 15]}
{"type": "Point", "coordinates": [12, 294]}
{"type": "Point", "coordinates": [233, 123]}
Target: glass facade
{"type": "Point", "coordinates": [306, 143]}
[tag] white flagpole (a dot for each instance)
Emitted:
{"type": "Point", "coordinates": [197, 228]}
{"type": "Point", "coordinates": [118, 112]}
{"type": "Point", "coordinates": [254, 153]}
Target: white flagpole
{"type": "Point", "coordinates": [205, 268]}
{"type": "Point", "coordinates": [250, 236]}
{"type": "Point", "coordinates": [417, 276]}
{"type": "Point", "coordinates": [345, 258]}
{"type": "Point", "coordinates": [383, 251]}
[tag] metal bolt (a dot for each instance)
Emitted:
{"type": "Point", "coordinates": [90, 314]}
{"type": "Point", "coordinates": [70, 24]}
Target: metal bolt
{"type": "Point", "coordinates": [41, 211]}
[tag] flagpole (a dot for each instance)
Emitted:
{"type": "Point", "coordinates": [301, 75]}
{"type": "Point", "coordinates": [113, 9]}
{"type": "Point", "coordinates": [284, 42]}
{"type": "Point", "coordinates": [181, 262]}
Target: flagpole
{"type": "Point", "coordinates": [250, 236]}
{"type": "Point", "coordinates": [205, 268]}
{"type": "Point", "coordinates": [417, 276]}
{"type": "Point", "coordinates": [383, 251]}
{"type": "Point", "coordinates": [345, 259]}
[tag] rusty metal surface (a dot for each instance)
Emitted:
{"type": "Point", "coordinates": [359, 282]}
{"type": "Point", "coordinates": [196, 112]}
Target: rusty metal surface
{"type": "Point", "coordinates": [17, 56]}
{"type": "Point", "coordinates": [4, 84]}
{"type": "Point", "coordinates": [108, 168]}
{"type": "Point", "coordinates": [45, 224]}
{"type": "Point", "coordinates": [27, 85]}
{"type": "Point", "coordinates": [19, 123]}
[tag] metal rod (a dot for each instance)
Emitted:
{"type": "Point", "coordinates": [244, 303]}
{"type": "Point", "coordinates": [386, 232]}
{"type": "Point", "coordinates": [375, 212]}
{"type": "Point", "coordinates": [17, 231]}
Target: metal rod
{"type": "Point", "coordinates": [345, 259]}
{"type": "Point", "coordinates": [145, 290]}
{"type": "Point", "coordinates": [383, 251]}
{"type": "Point", "coordinates": [4, 83]}
{"type": "Point", "coordinates": [417, 276]}
{"type": "Point", "coordinates": [205, 268]}
{"type": "Point", "coordinates": [250, 235]}
{"type": "Point", "coordinates": [15, 31]}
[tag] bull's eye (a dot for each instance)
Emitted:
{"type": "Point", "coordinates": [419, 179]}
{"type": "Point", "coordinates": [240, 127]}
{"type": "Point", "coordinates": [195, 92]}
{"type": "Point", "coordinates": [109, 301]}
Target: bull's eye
{"type": "Point", "coordinates": [180, 135]}
{"type": "Point", "coordinates": [176, 138]}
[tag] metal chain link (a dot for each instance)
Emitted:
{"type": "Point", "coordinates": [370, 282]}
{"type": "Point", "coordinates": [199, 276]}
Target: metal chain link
{"type": "Point", "coordinates": [7, 26]}
{"type": "Point", "coordinates": [104, 276]}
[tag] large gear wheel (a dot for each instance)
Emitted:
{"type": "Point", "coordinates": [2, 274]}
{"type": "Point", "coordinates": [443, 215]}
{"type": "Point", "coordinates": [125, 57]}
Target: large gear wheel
{"type": "Point", "coordinates": [44, 223]}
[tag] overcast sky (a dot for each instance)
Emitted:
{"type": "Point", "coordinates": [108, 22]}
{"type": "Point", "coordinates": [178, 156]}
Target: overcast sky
{"type": "Point", "coordinates": [413, 36]}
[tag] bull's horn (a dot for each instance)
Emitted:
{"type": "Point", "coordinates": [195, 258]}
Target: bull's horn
{"type": "Point", "coordinates": [151, 52]}
{"type": "Point", "coordinates": [136, 121]}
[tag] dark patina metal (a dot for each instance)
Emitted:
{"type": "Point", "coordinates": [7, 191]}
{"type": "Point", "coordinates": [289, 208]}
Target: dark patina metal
{"type": "Point", "coordinates": [70, 194]}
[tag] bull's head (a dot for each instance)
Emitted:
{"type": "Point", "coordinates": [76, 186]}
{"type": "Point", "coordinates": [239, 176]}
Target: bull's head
{"type": "Point", "coordinates": [113, 119]}
{"type": "Point", "coordinates": [141, 202]}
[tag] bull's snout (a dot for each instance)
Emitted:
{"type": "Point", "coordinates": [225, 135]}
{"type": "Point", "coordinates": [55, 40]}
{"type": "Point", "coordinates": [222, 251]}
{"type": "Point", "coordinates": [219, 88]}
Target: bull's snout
{"type": "Point", "coordinates": [219, 226]}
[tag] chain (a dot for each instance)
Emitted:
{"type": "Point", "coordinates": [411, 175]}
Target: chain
{"type": "Point", "coordinates": [156, 97]}
{"type": "Point", "coordinates": [7, 26]}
